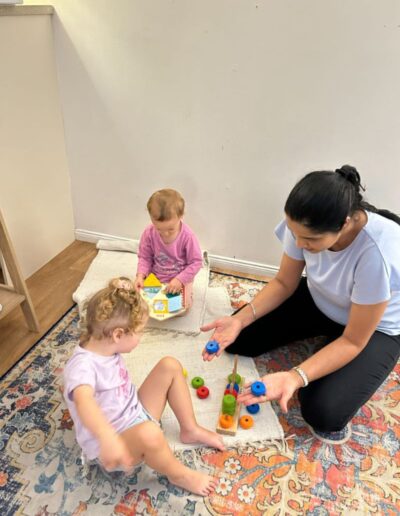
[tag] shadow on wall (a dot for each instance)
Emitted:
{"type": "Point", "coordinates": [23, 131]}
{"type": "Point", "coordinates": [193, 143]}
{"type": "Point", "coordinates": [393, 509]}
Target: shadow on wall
{"type": "Point", "coordinates": [96, 147]}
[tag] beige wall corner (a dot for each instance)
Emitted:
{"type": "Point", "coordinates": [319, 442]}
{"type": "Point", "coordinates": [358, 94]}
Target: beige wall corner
{"type": "Point", "coordinates": [35, 192]}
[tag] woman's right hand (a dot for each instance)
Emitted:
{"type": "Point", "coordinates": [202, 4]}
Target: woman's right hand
{"type": "Point", "coordinates": [280, 386]}
{"type": "Point", "coordinates": [226, 331]}
{"type": "Point", "coordinates": [114, 453]}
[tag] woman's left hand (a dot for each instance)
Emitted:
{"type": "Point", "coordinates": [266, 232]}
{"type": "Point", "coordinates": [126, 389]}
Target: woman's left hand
{"type": "Point", "coordinates": [280, 386]}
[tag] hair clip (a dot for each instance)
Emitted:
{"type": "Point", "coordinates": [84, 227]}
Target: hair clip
{"type": "Point", "coordinates": [123, 285]}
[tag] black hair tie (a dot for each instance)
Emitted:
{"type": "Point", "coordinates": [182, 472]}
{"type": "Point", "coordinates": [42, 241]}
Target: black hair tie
{"type": "Point", "coordinates": [351, 175]}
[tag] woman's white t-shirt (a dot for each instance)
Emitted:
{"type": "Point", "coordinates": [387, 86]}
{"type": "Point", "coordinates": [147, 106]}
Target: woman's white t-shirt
{"type": "Point", "coordinates": [366, 272]}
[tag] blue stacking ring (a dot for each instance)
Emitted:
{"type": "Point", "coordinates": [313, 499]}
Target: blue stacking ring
{"type": "Point", "coordinates": [212, 347]}
{"type": "Point", "coordinates": [253, 408]}
{"type": "Point", "coordinates": [258, 388]}
{"type": "Point", "coordinates": [235, 387]}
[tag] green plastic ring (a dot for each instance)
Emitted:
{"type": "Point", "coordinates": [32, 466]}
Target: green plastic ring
{"type": "Point", "coordinates": [228, 404]}
{"type": "Point", "coordinates": [197, 382]}
{"type": "Point", "coordinates": [238, 378]}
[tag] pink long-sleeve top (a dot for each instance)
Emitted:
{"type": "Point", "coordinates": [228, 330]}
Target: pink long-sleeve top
{"type": "Point", "coordinates": [180, 259]}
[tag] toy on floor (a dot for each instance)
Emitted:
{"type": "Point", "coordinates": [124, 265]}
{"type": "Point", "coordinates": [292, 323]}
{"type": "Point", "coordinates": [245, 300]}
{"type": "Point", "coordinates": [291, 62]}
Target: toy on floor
{"type": "Point", "coordinates": [225, 422]}
{"type": "Point", "coordinates": [228, 391]}
{"type": "Point", "coordinates": [229, 404]}
{"type": "Point", "coordinates": [237, 378]}
{"type": "Point", "coordinates": [202, 392]}
{"type": "Point", "coordinates": [229, 415]}
{"type": "Point", "coordinates": [246, 422]}
{"type": "Point", "coordinates": [161, 305]}
{"type": "Point", "coordinates": [233, 387]}
{"type": "Point", "coordinates": [254, 408]}
{"type": "Point", "coordinates": [197, 382]}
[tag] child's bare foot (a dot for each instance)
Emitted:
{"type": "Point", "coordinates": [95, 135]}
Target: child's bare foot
{"type": "Point", "coordinates": [202, 436]}
{"type": "Point", "coordinates": [194, 481]}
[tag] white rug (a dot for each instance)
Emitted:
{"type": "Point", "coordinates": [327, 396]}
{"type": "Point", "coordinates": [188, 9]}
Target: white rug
{"type": "Point", "coordinates": [118, 258]}
{"type": "Point", "coordinates": [180, 337]}
{"type": "Point", "coordinates": [187, 349]}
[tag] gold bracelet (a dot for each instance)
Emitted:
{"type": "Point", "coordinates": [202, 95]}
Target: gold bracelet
{"type": "Point", "coordinates": [302, 374]}
{"type": "Point", "coordinates": [253, 310]}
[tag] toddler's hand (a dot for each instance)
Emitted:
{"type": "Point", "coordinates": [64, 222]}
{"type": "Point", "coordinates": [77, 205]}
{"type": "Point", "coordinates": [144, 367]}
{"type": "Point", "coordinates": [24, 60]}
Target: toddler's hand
{"type": "Point", "coordinates": [139, 282]}
{"type": "Point", "coordinates": [174, 286]}
{"type": "Point", "coordinates": [114, 453]}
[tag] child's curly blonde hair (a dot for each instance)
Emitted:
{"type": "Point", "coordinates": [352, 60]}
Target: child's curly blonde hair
{"type": "Point", "coordinates": [116, 306]}
{"type": "Point", "coordinates": [165, 204]}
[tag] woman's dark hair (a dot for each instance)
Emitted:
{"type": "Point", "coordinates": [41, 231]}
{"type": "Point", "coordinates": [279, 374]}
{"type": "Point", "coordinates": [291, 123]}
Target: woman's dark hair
{"type": "Point", "coordinates": [322, 200]}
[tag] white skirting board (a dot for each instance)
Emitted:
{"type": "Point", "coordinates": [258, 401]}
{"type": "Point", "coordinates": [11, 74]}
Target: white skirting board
{"type": "Point", "coordinates": [222, 262]}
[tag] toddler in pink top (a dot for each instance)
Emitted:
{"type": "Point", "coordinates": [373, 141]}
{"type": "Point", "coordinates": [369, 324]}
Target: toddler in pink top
{"type": "Point", "coordinates": [116, 422]}
{"type": "Point", "coordinates": [168, 247]}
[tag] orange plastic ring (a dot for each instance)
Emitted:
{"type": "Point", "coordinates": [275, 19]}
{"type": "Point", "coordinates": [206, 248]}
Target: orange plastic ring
{"type": "Point", "coordinates": [225, 420]}
{"type": "Point", "coordinates": [246, 422]}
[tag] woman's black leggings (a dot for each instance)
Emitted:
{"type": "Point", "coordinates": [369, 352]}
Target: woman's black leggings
{"type": "Point", "coordinates": [329, 403]}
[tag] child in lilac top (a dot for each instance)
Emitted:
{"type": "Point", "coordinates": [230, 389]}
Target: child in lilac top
{"type": "Point", "coordinates": [168, 247]}
{"type": "Point", "coordinates": [114, 393]}
{"type": "Point", "coordinates": [114, 421]}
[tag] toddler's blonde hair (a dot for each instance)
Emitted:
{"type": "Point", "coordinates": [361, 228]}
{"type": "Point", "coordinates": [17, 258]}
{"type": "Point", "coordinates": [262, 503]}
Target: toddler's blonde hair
{"type": "Point", "coordinates": [116, 306]}
{"type": "Point", "coordinates": [164, 204]}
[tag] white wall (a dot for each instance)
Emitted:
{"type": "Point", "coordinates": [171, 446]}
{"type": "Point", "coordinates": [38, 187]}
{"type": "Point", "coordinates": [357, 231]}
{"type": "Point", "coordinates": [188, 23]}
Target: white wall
{"type": "Point", "coordinates": [228, 101]}
{"type": "Point", "coordinates": [35, 194]}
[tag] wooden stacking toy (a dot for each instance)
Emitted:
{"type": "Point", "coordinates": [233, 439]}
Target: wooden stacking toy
{"type": "Point", "coordinates": [228, 417]}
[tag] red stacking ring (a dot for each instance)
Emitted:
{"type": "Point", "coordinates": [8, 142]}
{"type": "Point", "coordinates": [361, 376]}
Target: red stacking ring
{"type": "Point", "coordinates": [202, 392]}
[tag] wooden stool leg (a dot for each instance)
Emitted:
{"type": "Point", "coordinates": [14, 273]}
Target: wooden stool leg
{"type": "Point", "coordinates": [18, 293]}
{"type": "Point", "coordinates": [29, 313]}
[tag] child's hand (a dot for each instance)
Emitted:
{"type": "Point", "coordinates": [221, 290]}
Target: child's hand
{"type": "Point", "coordinates": [139, 282]}
{"type": "Point", "coordinates": [114, 453]}
{"type": "Point", "coordinates": [174, 286]}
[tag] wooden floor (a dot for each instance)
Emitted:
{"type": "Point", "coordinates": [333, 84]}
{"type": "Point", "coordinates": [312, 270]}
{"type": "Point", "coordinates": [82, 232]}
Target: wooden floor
{"type": "Point", "coordinates": [51, 289]}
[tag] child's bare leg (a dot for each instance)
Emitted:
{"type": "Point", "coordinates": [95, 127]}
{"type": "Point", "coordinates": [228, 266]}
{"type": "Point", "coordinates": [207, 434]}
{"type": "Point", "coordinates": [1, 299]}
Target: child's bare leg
{"type": "Point", "coordinates": [168, 381]}
{"type": "Point", "coordinates": [147, 442]}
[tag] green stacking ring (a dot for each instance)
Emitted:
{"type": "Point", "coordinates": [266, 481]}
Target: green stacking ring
{"type": "Point", "coordinates": [228, 404]}
{"type": "Point", "coordinates": [238, 378]}
{"type": "Point", "coordinates": [197, 382]}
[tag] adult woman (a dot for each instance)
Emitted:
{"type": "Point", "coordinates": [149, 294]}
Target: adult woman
{"type": "Point", "coordinates": [351, 252]}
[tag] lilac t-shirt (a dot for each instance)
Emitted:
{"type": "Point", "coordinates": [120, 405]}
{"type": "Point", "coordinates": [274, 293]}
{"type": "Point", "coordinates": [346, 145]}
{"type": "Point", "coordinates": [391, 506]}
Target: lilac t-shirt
{"type": "Point", "coordinates": [113, 391]}
{"type": "Point", "coordinates": [181, 259]}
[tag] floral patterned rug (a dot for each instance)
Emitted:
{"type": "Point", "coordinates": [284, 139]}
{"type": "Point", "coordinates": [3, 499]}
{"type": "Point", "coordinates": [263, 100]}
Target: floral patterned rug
{"type": "Point", "coordinates": [41, 473]}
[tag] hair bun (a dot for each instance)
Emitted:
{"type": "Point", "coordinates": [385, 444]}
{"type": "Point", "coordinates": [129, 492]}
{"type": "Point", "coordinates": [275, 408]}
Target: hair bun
{"type": "Point", "coordinates": [122, 283]}
{"type": "Point", "coordinates": [350, 174]}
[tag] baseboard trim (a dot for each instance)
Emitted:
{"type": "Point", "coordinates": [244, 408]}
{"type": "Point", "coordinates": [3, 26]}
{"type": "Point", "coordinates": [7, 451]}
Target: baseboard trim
{"type": "Point", "coordinates": [242, 266]}
{"type": "Point", "coordinates": [93, 237]}
{"type": "Point", "coordinates": [221, 262]}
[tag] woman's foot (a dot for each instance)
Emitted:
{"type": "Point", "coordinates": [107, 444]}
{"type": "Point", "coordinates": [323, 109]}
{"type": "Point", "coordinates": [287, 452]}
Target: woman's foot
{"type": "Point", "coordinates": [337, 437]}
{"type": "Point", "coordinates": [200, 435]}
{"type": "Point", "coordinates": [194, 481]}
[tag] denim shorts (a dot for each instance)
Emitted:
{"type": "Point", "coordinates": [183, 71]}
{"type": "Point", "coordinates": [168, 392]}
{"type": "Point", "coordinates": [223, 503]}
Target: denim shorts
{"type": "Point", "coordinates": [142, 417]}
